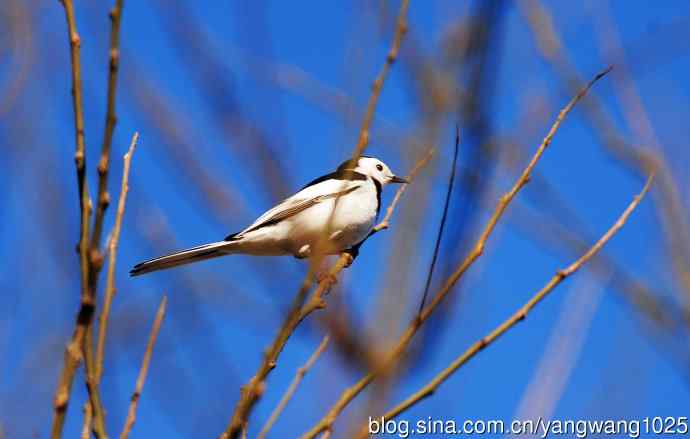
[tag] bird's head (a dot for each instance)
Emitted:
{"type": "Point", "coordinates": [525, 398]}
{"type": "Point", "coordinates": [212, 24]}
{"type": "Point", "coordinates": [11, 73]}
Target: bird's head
{"type": "Point", "coordinates": [376, 169]}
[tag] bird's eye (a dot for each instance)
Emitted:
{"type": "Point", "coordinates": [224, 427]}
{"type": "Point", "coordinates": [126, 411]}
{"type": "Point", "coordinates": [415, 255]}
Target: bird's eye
{"type": "Point", "coordinates": [379, 167]}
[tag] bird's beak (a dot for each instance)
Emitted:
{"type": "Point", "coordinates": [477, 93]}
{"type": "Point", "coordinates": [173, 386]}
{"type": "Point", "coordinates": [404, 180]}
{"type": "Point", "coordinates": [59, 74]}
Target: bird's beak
{"type": "Point", "coordinates": [396, 179]}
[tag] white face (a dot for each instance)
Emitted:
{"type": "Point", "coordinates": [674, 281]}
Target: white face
{"type": "Point", "coordinates": [378, 170]}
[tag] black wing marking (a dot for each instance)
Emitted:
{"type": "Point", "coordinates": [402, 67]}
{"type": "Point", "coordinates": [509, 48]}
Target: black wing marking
{"type": "Point", "coordinates": [378, 196]}
{"type": "Point", "coordinates": [342, 173]}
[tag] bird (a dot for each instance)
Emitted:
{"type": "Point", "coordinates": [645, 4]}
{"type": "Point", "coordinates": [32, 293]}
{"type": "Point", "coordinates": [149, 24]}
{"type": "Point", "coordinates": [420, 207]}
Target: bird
{"type": "Point", "coordinates": [331, 214]}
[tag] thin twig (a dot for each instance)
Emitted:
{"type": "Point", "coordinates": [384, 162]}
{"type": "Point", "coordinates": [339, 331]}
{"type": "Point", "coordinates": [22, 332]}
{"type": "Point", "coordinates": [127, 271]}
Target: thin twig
{"type": "Point", "coordinates": [299, 376]}
{"type": "Point", "coordinates": [444, 216]}
{"type": "Point", "coordinates": [112, 257]}
{"type": "Point", "coordinates": [94, 367]}
{"type": "Point", "coordinates": [132, 414]}
{"type": "Point", "coordinates": [326, 423]}
{"type": "Point", "coordinates": [521, 313]}
{"type": "Point", "coordinates": [385, 222]}
{"type": "Point", "coordinates": [74, 350]}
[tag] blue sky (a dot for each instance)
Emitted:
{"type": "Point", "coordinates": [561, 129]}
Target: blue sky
{"type": "Point", "coordinates": [197, 176]}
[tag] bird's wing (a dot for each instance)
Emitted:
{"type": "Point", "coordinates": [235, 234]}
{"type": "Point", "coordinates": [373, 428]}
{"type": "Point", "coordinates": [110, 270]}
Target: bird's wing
{"type": "Point", "coordinates": [302, 200]}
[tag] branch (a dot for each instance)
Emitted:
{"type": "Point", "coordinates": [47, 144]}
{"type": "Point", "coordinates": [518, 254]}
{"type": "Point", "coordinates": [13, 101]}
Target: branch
{"type": "Point", "coordinates": [132, 414]}
{"type": "Point", "coordinates": [86, 429]}
{"type": "Point", "coordinates": [521, 313]}
{"type": "Point", "coordinates": [385, 222]}
{"type": "Point", "coordinates": [103, 199]}
{"type": "Point", "coordinates": [668, 199]}
{"type": "Point", "coordinates": [250, 393]}
{"type": "Point", "coordinates": [74, 350]}
{"type": "Point", "coordinates": [326, 423]}
{"type": "Point", "coordinates": [301, 372]}
{"type": "Point", "coordinates": [112, 257]}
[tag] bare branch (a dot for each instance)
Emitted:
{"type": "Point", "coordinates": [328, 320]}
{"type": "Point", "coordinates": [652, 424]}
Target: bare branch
{"type": "Point", "coordinates": [385, 222]}
{"type": "Point", "coordinates": [521, 313]}
{"type": "Point", "coordinates": [112, 257]}
{"type": "Point", "coordinates": [86, 429]}
{"type": "Point", "coordinates": [132, 414]}
{"type": "Point", "coordinates": [292, 388]}
{"type": "Point", "coordinates": [103, 198]}
{"type": "Point", "coordinates": [74, 350]}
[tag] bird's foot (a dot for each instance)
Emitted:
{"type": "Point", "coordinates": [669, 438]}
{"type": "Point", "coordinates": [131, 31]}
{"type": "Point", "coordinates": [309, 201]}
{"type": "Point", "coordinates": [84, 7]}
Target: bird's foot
{"type": "Point", "coordinates": [352, 252]}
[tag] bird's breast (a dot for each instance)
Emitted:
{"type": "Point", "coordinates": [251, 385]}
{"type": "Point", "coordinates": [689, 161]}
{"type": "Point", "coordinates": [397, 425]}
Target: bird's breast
{"type": "Point", "coordinates": [351, 215]}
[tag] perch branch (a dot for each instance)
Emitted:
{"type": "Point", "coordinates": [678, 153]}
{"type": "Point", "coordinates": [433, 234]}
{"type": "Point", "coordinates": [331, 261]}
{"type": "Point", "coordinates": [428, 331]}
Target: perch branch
{"type": "Point", "coordinates": [251, 393]}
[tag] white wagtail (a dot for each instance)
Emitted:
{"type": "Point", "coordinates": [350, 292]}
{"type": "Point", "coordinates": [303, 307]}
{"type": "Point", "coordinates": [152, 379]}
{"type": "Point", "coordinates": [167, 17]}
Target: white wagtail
{"type": "Point", "coordinates": [299, 224]}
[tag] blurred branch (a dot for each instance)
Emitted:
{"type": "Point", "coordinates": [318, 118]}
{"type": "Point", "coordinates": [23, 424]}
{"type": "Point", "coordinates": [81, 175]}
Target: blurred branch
{"type": "Point", "coordinates": [326, 423]}
{"type": "Point", "coordinates": [444, 216]}
{"type": "Point", "coordinates": [639, 160]}
{"type": "Point", "coordinates": [292, 388]}
{"type": "Point", "coordinates": [74, 351]}
{"type": "Point", "coordinates": [86, 429]}
{"type": "Point", "coordinates": [15, 20]}
{"type": "Point", "coordinates": [520, 314]}
{"type": "Point", "coordinates": [112, 256]}
{"type": "Point", "coordinates": [400, 30]}
{"type": "Point", "coordinates": [216, 84]}
{"type": "Point", "coordinates": [132, 414]}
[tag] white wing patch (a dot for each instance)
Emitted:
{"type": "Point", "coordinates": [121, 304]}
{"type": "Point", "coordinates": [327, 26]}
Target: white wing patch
{"type": "Point", "coordinates": [301, 201]}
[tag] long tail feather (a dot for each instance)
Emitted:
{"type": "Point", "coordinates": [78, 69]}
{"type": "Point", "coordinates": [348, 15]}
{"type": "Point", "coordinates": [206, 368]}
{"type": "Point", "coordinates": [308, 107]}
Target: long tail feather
{"type": "Point", "coordinates": [195, 254]}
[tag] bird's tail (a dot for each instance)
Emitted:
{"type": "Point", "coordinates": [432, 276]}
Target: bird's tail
{"type": "Point", "coordinates": [195, 254]}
